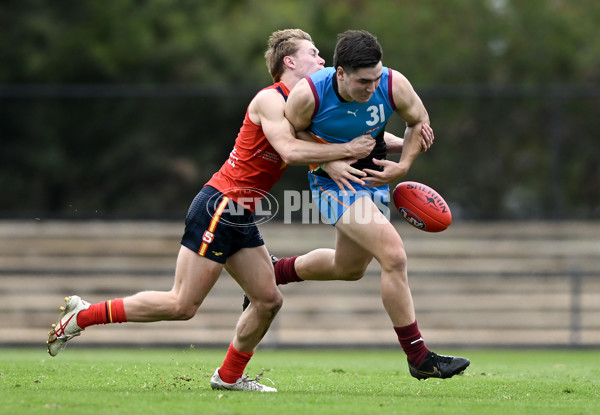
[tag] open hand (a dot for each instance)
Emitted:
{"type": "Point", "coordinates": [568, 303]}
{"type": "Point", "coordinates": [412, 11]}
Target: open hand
{"type": "Point", "coordinates": [342, 173]}
{"type": "Point", "coordinates": [428, 137]}
{"type": "Point", "coordinates": [391, 172]}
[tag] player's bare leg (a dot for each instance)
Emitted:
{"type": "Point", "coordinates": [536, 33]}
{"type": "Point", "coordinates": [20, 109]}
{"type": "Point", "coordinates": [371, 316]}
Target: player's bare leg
{"type": "Point", "coordinates": [380, 239]}
{"type": "Point", "coordinates": [347, 262]}
{"type": "Point", "coordinates": [252, 269]}
{"type": "Point", "coordinates": [195, 276]}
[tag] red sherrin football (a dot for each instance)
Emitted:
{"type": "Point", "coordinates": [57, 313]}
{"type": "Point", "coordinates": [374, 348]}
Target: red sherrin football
{"type": "Point", "coordinates": [422, 207]}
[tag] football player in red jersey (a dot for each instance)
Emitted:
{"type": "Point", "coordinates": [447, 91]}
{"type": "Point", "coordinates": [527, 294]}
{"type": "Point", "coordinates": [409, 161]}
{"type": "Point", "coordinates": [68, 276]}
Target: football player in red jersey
{"type": "Point", "coordinates": [220, 230]}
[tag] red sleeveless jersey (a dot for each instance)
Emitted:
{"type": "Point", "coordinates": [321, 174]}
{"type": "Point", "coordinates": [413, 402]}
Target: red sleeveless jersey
{"type": "Point", "coordinates": [253, 166]}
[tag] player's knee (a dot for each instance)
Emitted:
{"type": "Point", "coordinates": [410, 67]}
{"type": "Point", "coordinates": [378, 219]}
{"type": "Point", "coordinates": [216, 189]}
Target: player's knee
{"type": "Point", "coordinates": [393, 259]}
{"type": "Point", "coordinates": [270, 304]}
{"type": "Point", "coordinates": [352, 271]}
{"type": "Point", "coordinates": [183, 311]}
{"type": "Point", "coordinates": [275, 302]}
{"type": "Point", "coordinates": [353, 274]}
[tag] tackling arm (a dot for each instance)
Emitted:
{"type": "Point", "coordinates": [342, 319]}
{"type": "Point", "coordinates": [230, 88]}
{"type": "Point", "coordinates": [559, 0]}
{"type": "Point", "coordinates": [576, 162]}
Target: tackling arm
{"type": "Point", "coordinates": [393, 143]}
{"type": "Point", "coordinates": [269, 107]}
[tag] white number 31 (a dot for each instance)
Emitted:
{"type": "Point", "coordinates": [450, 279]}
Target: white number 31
{"type": "Point", "coordinates": [377, 115]}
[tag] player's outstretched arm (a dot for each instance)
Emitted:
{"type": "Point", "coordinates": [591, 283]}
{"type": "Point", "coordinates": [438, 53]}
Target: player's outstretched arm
{"type": "Point", "coordinates": [410, 108]}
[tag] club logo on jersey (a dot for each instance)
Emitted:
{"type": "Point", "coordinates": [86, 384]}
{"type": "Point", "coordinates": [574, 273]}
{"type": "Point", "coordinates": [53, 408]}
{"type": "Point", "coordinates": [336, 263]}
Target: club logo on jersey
{"type": "Point", "coordinates": [243, 204]}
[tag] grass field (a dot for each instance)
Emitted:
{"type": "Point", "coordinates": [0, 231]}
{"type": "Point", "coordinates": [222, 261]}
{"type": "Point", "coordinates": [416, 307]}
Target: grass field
{"type": "Point", "coordinates": [170, 381]}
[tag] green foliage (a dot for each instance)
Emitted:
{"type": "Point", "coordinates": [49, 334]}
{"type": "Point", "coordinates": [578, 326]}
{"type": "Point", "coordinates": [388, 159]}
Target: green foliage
{"type": "Point", "coordinates": [511, 144]}
{"type": "Point", "coordinates": [164, 41]}
{"type": "Point", "coordinates": [319, 381]}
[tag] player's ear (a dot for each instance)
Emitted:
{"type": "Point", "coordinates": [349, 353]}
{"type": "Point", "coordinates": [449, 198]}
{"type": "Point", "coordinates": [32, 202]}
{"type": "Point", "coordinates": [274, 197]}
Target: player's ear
{"type": "Point", "coordinates": [289, 62]}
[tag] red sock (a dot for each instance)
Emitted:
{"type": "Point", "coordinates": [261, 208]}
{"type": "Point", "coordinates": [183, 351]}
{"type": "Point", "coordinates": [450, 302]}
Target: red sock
{"type": "Point", "coordinates": [412, 343]}
{"type": "Point", "coordinates": [234, 364]}
{"type": "Point", "coordinates": [285, 271]}
{"type": "Point", "coordinates": [106, 312]}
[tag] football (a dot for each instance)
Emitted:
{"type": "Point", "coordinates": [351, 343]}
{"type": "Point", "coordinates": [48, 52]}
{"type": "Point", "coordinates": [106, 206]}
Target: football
{"type": "Point", "coordinates": [422, 207]}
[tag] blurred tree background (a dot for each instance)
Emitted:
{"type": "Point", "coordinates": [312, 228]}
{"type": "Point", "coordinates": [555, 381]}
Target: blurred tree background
{"type": "Point", "coordinates": [124, 109]}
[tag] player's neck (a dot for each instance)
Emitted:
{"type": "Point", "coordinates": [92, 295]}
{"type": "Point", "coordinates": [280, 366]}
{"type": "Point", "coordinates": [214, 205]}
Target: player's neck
{"type": "Point", "coordinates": [290, 79]}
{"type": "Point", "coordinates": [342, 95]}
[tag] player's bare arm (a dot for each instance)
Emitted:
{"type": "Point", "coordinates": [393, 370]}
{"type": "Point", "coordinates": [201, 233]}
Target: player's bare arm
{"type": "Point", "coordinates": [411, 109]}
{"type": "Point", "coordinates": [267, 110]}
{"type": "Point", "coordinates": [361, 145]}
{"type": "Point", "coordinates": [394, 143]}
{"type": "Point", "coordinates": [300, 106]}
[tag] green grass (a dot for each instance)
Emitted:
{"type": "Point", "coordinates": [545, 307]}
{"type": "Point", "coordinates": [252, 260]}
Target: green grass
{"type": "Point", "coordinates": [169, 381]}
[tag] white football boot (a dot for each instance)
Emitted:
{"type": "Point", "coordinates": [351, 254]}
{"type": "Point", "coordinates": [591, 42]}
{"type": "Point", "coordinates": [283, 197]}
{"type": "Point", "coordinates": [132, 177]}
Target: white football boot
{"type": "Point", "coordinates": [67, 327]}
{"type": "Point", "coordinates": [242, 384]}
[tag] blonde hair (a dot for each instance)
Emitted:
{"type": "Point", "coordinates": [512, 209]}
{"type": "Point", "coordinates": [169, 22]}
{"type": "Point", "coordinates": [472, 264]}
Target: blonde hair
{"type": "Point", "coordinates": [282, 43]}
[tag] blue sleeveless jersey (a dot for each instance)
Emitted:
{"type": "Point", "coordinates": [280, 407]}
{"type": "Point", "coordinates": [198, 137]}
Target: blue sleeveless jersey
{"type": "Point", "coordinates": [338, 121]}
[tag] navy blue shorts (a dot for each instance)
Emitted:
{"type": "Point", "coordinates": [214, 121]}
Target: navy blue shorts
{"type": "Point", "coordinates": [216, 227]}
